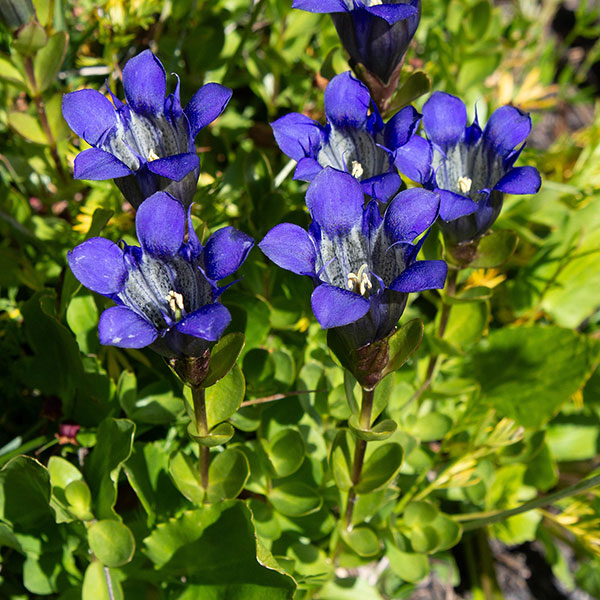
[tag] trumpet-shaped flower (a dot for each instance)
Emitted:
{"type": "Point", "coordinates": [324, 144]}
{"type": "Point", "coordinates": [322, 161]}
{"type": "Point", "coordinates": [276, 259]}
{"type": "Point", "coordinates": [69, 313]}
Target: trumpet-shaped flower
{"type": "Point", "coordinates": [355, 138]}
{"type": "Point", "coordinates": [146, 144]}
{"type": "Point", "coordinates": [469, 167]}
{"type": "Point", "coordinates": [362, 264]}
{"type": "Point", "coordinates": [166, 290]}
{"type": "Point", "coordinates": [375, 33]}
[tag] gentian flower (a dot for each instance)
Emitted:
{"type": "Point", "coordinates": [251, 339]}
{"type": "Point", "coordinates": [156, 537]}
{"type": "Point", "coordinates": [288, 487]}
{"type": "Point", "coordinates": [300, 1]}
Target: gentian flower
{"type": "Point", "coordinates": [355, 138]}
{"type": "Point", "coordinates": [362, 264]}
{"type": "Point", "coordinates": [166, 290]}
{"type": "Point", "coordinates": [374, 33]}
{"type": "Point", "coordinates": [145, 145]}
{"type": "Point", "coordinates": [471, 169]}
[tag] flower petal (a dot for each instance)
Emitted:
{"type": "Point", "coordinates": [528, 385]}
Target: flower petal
{"type": "Point", "coordinates": [347, 101]}
{"type": "Point", "coordinates": [160, 224]}
{"type": "Point", "coordinates": [506, 128]}
{"type": "Point", "coordinates": [208, 323]}
{"type": "Point", "coordinates": [444, 118]}
{"type": "Point", "coordinates": [297, 135]}
{"type": "Point", "coordinates": [401, 127]}
{"type": "Point", "coordinates": [98, 264]}
{"type": "Point", "coordinates": [520, 180]}
{"type": "Point", "coordinates": [320, 6]}
{"type": "Point", "coordinates": [307, 169]}
{"type": "Point", "coordinates": [410, 213]}
{"type": "Point", "coordinates": [97, 165]}
{"type": "Point", "coordinates": [453, 206]}
{"type": "Point", "coordinates": [224, 252]}
{"type": "Point", "coordinates": [335, 201]}
{"type": "Point", "coordinates": [206, 105]}
{"type": "Point", "coordinates": [414, 159]}
{"type": "Point", "coordinates": [290, 247]}
{"type": "Point", "coordinates": [392, 13]}
{"type": "Point", "coordinates": [334, 307]}
{"type": "Point", "coordinates": [89, 114]}
{"type": "Point", "coordinates": [382, 187]}
{"type": "Point", "coordinates": [422, 275]}
{"type": "Point", "coordinates": [120, 326]}
{"type": "Point", "coordinates": [145, 83]}
{"type": "Point", "coordinates": [176, 166]}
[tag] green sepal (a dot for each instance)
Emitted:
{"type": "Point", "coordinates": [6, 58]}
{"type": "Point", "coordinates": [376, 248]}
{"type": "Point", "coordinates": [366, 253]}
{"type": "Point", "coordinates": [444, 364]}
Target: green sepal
{"type": "Point", "coordinates": [403, 343]}
{"type": "Point", "coordinates": [223, 357]}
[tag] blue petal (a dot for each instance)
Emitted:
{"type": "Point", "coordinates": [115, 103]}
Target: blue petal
{"type": "Point", "coordinates": [414, 159]}
{"type": "Point", "coordinates": [347, 101]}
{"type": "Point", "coordinates": [120, 326]}
{"type": "Point", "coordinates": [320, 6]}
{"type": "Point", "coordinates": [401, 127]}
{"type": "Point", "coordinates": [410, 213]}
{"type": "Point", "coordinates": [297, 135]}
{"type": "Point", "coordinates": [160, 224]}
{"type": "Point", "coordinates": [98, 264]}
{"type": "Point", "coordinates": [224, 252]}
{"type": "Point", "coordinates": [422, 275]}
{"type": "Point", "coordinates": [176, 166]}
{"type": "Point", "coordinates": [335, 201]}
{"type": "Point", "coordinates": [207, 323]}
{"type": "Point", "coordinates": [89, 114]}
{"type": "Point", "coordinates": [291, 248]}
{"type": "Point", "coordinates": [206, 105]}
{"type": "Point", "coordinates": [453, 206]}
{"type": "Point", "coordinates": [382, 187]}
{"type": "Point", "coordinates": [97, 165]}
{"type": "Point", "coordinates": [334, 307]}
{"type": "Point", "coordinates": [392, 13]}
{"type": "Point", "coordinates": [145, 83]}
{"type": "Point", "coordinates": [193, 243]}
{"type": "Point", "coordinates": [506, 128]}
{"type": "Point", "coordinates": [307, 169]}
{"type": "Point", "coordinates": [520, 180]}
{"type": "Point", "coordinates": [444, 118]}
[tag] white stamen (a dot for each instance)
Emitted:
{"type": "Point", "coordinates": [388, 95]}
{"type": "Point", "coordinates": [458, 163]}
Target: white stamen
{"type": "Point", "coordinates": [375, 3]}
{"type": "Point", "coordinates": [360, 283]}
{"type": "Point", "coordinates": [357, 169]}
{"type": "Point", "coordinates": [464, 184]}
{"type": "Point", "coordinates": [152, 156]}
{"type": "Point", "coordinates": [175, 300]}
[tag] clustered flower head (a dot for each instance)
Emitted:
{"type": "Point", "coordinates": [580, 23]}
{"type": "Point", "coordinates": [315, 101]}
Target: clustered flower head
{"type": "Point", "coordinates": [355, 139]}
{"type": "Point", "coordinates": [165, 290]}
{"type": "Point", "coordinates": [146, 144]}
{"type": "Point", "coordinates": [469, 167]}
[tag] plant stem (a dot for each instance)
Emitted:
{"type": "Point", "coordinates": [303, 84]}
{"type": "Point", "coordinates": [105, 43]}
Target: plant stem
{"type": "Point", "coordinates": [366, 409]}
{"type": "Point", "coordinates": [450, 290]}
{"type": "Point", "coordinates": [199, 400]}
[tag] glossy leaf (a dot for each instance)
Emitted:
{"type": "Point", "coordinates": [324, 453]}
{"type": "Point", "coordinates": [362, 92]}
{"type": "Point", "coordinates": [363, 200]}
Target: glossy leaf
{"type": "Point", "coordinates": [223, 357]}
{"type": "Point", "coordinates": [381, 466]}
{"type": "Point", "coordinates": [111, 542]}
{"type": "Point", "coordinates": [227, 475]}
{"type": "Point", "coordinates": [225, 397]}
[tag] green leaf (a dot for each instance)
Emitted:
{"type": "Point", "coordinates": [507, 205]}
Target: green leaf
{"type": "Point", "coordinates": [414, 87]}
{"type": "Point", "coordinates": [225, 397]}
{"type": "Point", "coordinates": [82, 318]}
{"type": "Point", "coordinates": [295, 498]}
{"type": "Point", "coordinates": [113, 447]}
{"type": "Point", "coordinates": [227, 475]}
{"type": "Point", "coordinates": [403, 344]}
{"type": "Point", "coordinates": [49, 60]}
{"type": "Point", "coordinates": [424, 538]}
{"type": "Point", "coordinates": [362, 540]}
{"type": "Point", "coordinates": [111, 542]}
{"type": "Point", "coordinates": [285, 451]}
{"type": "Point", "coordinates": [495, 249]}
{"type": "Point", "coordinates": [216, 546]}
{"type": "Point", "coordinates": [218, 436]}
{"type": "Point", "coordinates": [542, 367]}
{"type": "Point", "coordinates": [78, 495]}
{"type": "Point", "coordinates": [27, 126]}
{"type": "Point", "coordinates": [155, 404]}
{"type": "Point", "coordinates": [448, 530]}
{"type": "Point", "coordinates": [381, 466]}
{"type": "Point", "coordinates": [474, 69]}
{"type": "Point", "coordinates": [30, 39]}
{"type": "Point", "coordinates": [473, 294]}
{"type": "Point", "coordinates": [223, 357]}
{"type": "Point", "coordinates": [430, 427]}
{"type": "Point", "coordinates": [95, 585]}
{"type": "Point", "coordinates": [477, 20]}
{"type": "Point", "coordinates": [379, 432]}
{"type": "Point", "coordinates": [10, 73]}
{"type": "Point", "coordinates": [184, 472]}
{"type": "Point", "coordinates": [340, 460]}
{"type": "Point", "coordinates": [409, 566]}
{"type": "Point", "coordinates": [420, 513]}
{"type": "Point", "coordinates": [467, 323]}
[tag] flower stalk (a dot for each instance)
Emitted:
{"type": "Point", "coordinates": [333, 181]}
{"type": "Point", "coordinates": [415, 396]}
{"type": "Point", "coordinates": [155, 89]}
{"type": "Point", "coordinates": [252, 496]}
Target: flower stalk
{"type": "Point", "coordinates": [199, 400]}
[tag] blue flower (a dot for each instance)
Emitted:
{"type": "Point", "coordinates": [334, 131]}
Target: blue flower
{"type": "Point", "coordinates": [355, 138]}
{"type": "Point", "coordinates": [471, 169]}
{"type": "Point", "coordinates": [145, 145]}
{"type": "Point", "coordinates": [374, 33]}
{"type": "Point", "coordinates": [166, 290]}
{"type": "Point", "coordinates": [362, 264]}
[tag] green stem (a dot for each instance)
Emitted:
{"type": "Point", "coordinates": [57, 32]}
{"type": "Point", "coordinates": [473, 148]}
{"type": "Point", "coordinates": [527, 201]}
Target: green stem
{"type": "Point", "coordinates": [487, 518]}
{"type": "Point", "coordinates": [366, 409]}
{"type": "Point", "coordinates": [199, 400]}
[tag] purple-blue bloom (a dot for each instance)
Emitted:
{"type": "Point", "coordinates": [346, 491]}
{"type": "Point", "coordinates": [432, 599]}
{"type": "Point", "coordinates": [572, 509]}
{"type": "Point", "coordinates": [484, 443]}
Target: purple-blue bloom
{"type": "Point", "coordinates": [362, 264]}
{"type": "Point", "coordinates": [166, 290]}
{"type": "Point", "coordinates": [374, 33]}
{"type": "Point", "coordinates": [355, 138]}
{"type": "Point", "coordinates": [147, 144]}
{"type": "Point", "coordinates": [469, 167]}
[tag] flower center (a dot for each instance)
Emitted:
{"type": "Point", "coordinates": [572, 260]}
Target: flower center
{"type": "Point", "coordinates": [175, 300]}
{"type": "Point", "coordinates": [464, 184]}
{"type": "Point", "coordinates": [359, 283]}
{"type": "Point", "coordinates": [152, 156]}
{"type": "Point", "coordinates": [357, 169]}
